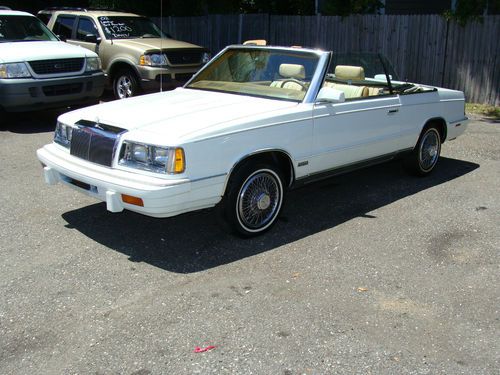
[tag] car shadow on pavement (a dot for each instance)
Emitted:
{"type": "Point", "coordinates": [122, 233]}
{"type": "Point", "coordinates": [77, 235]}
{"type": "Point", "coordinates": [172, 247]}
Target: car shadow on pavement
{"type": "Point", "coordinates": [195, 242]}
{"type": "Point", "coordinates": [30, 122]}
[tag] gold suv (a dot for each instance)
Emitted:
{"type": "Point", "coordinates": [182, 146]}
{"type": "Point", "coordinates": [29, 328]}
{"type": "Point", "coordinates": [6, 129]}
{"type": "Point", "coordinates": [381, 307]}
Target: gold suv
{"type": "Point", "coordinates": [136, 55]}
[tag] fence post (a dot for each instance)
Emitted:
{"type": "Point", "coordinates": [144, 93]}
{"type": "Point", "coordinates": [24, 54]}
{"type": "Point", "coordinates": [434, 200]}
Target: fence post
{"type": "Point", "coordinates": [445, 57]}
{"type": "Point", "coordinates": [240, 28]}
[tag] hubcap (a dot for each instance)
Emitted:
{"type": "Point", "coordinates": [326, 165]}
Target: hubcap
{"type": "Point", "coordinates": [429, 150]}
{"type": "Point", "coordinates": [124, 87]}
{"type": "Point", "coordinates": [264, 201]}
{"type": "Point", "coordinates": [259, 200]}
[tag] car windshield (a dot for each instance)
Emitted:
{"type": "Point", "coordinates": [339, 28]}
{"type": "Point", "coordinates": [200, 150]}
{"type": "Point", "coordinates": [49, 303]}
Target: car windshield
{"type": "Point", "coordinates": [267, 73]}
{"type": "Point", "coordinates": [129, 28]}
{"type": "Point", "coordinates": [23, 29]}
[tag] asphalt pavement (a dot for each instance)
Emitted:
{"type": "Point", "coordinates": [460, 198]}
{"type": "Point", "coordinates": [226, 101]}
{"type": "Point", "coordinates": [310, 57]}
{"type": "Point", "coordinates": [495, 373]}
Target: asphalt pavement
{"type": "Point", "coordinates": [373, 272]}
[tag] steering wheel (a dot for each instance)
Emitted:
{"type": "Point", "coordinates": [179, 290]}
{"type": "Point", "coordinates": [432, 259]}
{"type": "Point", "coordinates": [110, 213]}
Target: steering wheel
{"type": "Point", "coordinates": [293, 80]}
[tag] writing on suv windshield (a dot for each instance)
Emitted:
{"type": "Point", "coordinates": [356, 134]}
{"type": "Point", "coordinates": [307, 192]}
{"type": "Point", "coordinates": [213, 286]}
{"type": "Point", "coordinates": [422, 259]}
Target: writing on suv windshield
{"type": "Point", "coordinates": [129, 28]}
{"type": "Point", "coordinates": [23, 29]}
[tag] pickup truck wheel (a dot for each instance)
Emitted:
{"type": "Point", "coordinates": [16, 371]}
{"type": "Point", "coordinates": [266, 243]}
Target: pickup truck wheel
{"type": "Point", "coordinates": [125, 84]}
{"type": "Point", "coordinates": [425, 156]}
{"type": "Point", "coordinates": [254, 199]}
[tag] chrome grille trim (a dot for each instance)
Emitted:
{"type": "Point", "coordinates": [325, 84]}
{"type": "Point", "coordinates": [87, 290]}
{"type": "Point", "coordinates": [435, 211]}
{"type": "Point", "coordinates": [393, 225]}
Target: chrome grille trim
{"type": "Point", "coordinates": [184, 57]}
{"type": "Point", "coordinates": [94, 144]}
{"type": "Point", "coordinates": [57, 66]}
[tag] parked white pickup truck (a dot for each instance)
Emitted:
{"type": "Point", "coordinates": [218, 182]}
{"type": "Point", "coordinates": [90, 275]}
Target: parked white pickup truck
{"type": "Point", "coordinates": [38, 71]}
{"type": "Point", "coordinates": [252, 123]}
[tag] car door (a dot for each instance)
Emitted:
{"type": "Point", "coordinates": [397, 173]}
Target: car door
{"type": "Point", "coordinates": [86, 34]}
{"type": "Point", "coordinates": [354, 131]}
{"type": "Point", "coordinates": [64, 26]}
{"type": "Point", "coordinates": [75, 30]}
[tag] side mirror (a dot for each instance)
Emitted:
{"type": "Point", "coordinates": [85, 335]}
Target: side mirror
{"type": "Point", "coordinates": [91, 38]}
{"type": "Point", "coordinates": [330, 95]}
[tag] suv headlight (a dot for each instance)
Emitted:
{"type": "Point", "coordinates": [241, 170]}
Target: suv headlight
{"type": "Point", "coordinates": [14, 70]}
{"type": "Point", "coordinates": [93, 64]}
{"type": "Point", "coordinates": [151, 158]}
{"type": "Point", "coordinates": [206, 57]}
{"type": "Point", "coordinates": [62, 134]}
{"type": "Point", "coordinates": [154, 59]}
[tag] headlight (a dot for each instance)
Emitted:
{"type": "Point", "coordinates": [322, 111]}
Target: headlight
{"type": "Point", "coordinates": [206, 57]}
{"type": "Point", "coordinates": [153, 158]}
{"type": "Point", "coordinates": [14, 70]}
{"type": "Point", "coordinates": [93, 64]}
{"type": "Point", "coordinates": [62, 134]}
{"type": "Point", "coordinates": [155, 59]}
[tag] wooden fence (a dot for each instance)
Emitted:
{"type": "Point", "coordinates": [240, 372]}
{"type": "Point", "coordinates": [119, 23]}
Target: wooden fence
{"type": "Point", "coordinates": [423, 48]}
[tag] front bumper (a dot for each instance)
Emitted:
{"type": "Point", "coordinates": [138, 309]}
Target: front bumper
{"type": "Point", "coordinates": [161, 197]}
{"type": "Point", "coordinates": [152, 77]}
{"type": "Point", "coordinates": [32, 94]}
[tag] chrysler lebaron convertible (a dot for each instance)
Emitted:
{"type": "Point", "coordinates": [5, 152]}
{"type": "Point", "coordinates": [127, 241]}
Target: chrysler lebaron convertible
{"type": "Point", "coordinates": [253, 123]}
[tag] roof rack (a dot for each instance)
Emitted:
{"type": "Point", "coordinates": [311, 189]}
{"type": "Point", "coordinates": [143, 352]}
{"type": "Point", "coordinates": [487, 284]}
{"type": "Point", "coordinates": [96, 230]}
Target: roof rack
{"type": "Point", "coordinates": [65, 8]}
{"type": "Point", "coordinates": [79, 9]}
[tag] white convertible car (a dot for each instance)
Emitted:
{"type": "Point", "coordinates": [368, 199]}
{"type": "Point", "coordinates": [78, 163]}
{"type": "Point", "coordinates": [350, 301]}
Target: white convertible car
{"type": "Point", "coordinates": [254, 122]}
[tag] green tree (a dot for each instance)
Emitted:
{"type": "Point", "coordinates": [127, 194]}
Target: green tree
{"type": "Point", "coordinates": [471, 10]}
{"type": "Point", "coordinates": [347, 7]}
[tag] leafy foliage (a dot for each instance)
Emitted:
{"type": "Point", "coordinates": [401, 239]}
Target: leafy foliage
{"type": "Point", "coordinates": [345, 8]}
{"type": "Point", "coordinates": [470, 10]}
{"type": "Point", "coordinates": [200, 7]}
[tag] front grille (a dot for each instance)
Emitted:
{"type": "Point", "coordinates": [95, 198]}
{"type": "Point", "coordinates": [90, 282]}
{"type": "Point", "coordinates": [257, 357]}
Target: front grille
{"type": "Point", "coordinates": [57, 66]}
{"type": "Point", "coordinates": [73, 88]}
{"type": "Point", "coordinates": [183, 77]}
{"type": "Point", "coordinates": [184, 57]}
{"type": "Point", "coordinates": [94, 144]}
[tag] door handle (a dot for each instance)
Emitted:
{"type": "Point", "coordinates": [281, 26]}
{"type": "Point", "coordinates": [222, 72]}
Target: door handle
{"type": "Point", "coordinates": [390, 111]}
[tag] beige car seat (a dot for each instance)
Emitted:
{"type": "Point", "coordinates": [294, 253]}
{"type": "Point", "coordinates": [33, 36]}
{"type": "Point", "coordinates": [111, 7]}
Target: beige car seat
{"type": "Point", "coordinates": [291, 72]}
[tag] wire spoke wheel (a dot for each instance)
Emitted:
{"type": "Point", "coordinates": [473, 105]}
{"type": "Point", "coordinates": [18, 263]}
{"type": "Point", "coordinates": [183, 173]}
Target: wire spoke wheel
{"type": "Point", "coordinates": [257, 201]}
{"type": "Point", "coordinates": [425, 156]}
{"type": "Point", "coordinates": [429, 149]}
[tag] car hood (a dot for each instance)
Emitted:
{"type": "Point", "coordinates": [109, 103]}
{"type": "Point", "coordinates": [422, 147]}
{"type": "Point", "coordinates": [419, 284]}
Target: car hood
{"type": "Point", "coordinates": [180, 115]}
{"type": "Point", "coordinates": [42, 50]}
{"type": "Point", "coordinates": [145, 44]}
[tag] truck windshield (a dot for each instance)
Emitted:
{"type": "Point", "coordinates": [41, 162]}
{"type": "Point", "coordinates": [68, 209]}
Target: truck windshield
{"type": "Point", "coordinates": [23, 29]}
{"type": "Point", "coordinates": [129, 28]}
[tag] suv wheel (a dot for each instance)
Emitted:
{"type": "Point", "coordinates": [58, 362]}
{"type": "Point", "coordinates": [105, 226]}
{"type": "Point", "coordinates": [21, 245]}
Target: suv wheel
{"type": "Point", "coordinates": [125, 84]}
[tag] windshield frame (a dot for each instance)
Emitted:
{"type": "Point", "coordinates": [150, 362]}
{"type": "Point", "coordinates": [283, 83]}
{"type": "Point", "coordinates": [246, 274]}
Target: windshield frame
{"type": "Point", "coordinates": [315, 83]}
{"type": "Point", "coordinates": [43, 27]}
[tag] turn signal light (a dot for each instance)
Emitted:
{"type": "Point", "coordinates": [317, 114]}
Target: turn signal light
{"type": "Point", "coordinates": [132, 200]}
{"type": "Point", "coordinates": [179, 165]}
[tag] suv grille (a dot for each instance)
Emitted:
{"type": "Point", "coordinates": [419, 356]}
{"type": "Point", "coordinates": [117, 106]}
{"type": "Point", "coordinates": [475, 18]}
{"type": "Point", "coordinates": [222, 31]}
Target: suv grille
{"type": "Point", "coordinates": [184, 57]}
{"type": "Point", "coordinates": [57, 66]}
{"type": "Point", "coordinates": [93, 144]}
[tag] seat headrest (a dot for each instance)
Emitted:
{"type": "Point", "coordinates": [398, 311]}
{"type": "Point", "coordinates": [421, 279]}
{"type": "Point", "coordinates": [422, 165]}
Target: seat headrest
{"type": "Point", "coordinates": [256, 42]}
{"type": "Point", "coordinates": [348, 72]}
{"type": "Point", "coordinates": [296, 71]}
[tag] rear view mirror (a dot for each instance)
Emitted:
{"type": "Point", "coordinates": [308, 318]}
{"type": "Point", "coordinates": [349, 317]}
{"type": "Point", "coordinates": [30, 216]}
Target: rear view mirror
{"type": "Point", "coordinates": [330, 95]}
